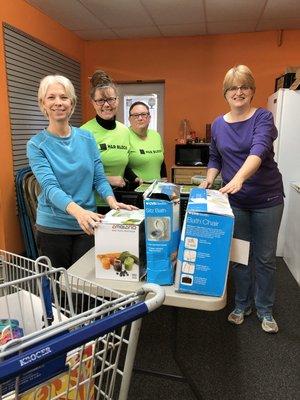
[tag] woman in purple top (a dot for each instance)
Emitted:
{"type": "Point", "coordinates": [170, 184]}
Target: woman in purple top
{"type": "Point", "coordinates": [242, 151]}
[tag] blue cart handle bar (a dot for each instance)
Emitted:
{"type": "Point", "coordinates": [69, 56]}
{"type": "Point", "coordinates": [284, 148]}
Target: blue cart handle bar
{"type": "Point", "coordinates": [57, 346]}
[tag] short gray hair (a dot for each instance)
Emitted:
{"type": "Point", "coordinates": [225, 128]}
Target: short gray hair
{"type": "Point", "coordinates": [53, 79]}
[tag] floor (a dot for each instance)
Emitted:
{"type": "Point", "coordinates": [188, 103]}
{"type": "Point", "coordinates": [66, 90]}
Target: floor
{"type": "Point", "coordinates": [224, 361]}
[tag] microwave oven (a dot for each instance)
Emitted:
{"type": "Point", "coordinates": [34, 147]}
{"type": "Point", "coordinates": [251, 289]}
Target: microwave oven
{"type": "Point", "coordinates": [192, 154]}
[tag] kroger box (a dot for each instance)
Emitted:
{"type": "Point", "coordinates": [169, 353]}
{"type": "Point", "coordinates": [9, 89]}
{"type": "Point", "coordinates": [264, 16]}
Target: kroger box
{"type": "Point", "coordinates": [70, 385]}
{"type": "Point", "coordinates": [204, 250]}
{"type": "Point", "coordinates": [161, 203]}
{"type": "Point", "coordinates": [28, 319]}
{"type": "Point", "coordinates": [120, 246]}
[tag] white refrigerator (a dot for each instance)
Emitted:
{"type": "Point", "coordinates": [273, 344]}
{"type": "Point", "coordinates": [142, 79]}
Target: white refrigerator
{"type": "Point", "coordinates": [285, 106]}
{"type": "Point", "coordinates": [291, 251]}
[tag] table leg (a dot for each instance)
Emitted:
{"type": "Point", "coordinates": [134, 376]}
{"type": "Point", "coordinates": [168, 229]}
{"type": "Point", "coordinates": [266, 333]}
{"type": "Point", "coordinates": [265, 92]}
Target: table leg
{"type": "Point", "coordinates": [184, 377]}
{"type": "Point", "coordinates": [179, 363]}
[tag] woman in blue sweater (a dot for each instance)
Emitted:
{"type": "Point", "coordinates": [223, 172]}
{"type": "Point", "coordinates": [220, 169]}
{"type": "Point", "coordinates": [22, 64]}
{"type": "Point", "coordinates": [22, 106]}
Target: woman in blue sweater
{"type": "Point", "coordinates": [242, 151]}
{"type": "Point", "coordinates": [66, 162]}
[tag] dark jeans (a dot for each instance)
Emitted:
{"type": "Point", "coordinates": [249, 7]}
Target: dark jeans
{"type": "Point", "coordinates": [63, 250]}
{"type": "Point", "coordinates": [256, 281]}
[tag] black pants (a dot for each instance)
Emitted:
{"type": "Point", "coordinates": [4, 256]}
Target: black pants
{"type": "Point", "coordinates": [63, 250]}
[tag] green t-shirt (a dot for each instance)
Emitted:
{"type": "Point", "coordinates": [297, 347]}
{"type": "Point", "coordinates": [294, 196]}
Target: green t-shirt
{"type": "Point", "coordinates": [146, 155]}
{"type": "Point", "coordinates": [113, 146]}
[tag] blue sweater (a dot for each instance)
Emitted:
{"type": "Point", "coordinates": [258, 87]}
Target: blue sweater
{"type": "Point", "coordinates": [232, 143]}
{"type": "Point", "coordinates": [67, 169]}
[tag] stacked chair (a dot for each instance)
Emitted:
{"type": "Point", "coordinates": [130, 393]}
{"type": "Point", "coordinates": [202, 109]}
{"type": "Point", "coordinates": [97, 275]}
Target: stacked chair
{"type": "Point", "coordinates": [27, 189]}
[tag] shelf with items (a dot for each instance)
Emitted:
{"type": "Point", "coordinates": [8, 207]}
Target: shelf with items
{"type": "Point", "coordinates": [182, 175]}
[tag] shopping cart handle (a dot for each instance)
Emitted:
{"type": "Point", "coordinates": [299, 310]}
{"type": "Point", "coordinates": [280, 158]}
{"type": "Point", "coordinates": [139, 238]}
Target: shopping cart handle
{"type": "Point", "coordinates": [156, 301]}
{"type": "Point", "coordinates": [66, 341]}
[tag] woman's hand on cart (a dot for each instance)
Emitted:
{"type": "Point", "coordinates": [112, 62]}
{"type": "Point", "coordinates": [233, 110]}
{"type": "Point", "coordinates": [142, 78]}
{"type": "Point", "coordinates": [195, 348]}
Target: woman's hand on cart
{"type": "Point", "coordinates": [87, 220]}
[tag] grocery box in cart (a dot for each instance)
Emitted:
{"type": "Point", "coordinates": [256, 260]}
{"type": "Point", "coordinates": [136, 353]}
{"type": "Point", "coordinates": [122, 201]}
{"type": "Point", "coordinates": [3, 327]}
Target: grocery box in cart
{"type": "Point", "coordinates": [161, 203]}
{"type": "Point", "coordinates": [80, 371]}
{"type": "Point", "coordinates": [120, 246]}
{"type": "Point", "coordinates": [23, 311]}
{"type": "Point", "coordinates": [204, 250]}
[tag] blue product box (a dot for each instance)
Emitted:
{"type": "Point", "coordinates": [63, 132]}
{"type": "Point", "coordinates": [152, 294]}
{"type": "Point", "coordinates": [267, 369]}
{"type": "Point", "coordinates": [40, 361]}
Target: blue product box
{"type": "Point", "coordinates": [204, 249]}
{"type": "Point", "coordinates": [161, 204]}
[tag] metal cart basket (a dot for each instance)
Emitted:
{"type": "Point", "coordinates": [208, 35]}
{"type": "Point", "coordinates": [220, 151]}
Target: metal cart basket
{"type": "Point", "coordinates": [68, 338]}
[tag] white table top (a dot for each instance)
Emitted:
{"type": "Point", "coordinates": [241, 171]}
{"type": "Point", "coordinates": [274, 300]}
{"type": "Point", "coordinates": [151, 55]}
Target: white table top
{"type": "Point", "coordinates": [85, 269]}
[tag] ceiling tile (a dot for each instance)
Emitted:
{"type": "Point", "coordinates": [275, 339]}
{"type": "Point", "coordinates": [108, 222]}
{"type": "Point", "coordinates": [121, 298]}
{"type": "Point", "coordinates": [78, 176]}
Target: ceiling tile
{"type": "Point", "coordinates": [98, 19]}
{"type": "Point", "coordinates": [280, 23]}
{"type": "Point", "coordinates": [183, 30]}
{"type": "Point", "coordinates": [230, 27]}
{"type": "Point", "coordinates": [144, 32]}
{"type": "Point", "coordinates": [69, 13]}
{"type": "Point", "coordinates": [96, 34]}
{"type": "Point", "coordinates": [175, 11]}
{"type": "Point", "coordinates": [282, 9]}
{"type": "Point", "coordinates": [220, 10]}
{"type": "Point", "coordinates": [119, 13]}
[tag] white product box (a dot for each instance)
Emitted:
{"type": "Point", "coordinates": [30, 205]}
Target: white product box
{"type": "Point", "coordinates": [120, 246]}
{"type": "Point", "coordinates": [204, 250]}
{"type": "Point", "coordinates": [161, 202]}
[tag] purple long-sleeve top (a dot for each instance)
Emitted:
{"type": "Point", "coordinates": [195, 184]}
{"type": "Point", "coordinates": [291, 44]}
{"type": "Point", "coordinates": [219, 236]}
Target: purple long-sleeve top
{"type": "Point", "coordinates": [232, 143]}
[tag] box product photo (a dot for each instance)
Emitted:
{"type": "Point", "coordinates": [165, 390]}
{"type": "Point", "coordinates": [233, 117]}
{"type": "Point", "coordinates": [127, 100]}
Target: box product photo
{"type": "Point", "coordinates": [162, 225]}
{"type": "Point", "coordinates": [204, 250]}
{"type": "Point", "coordinates": [120, 246]}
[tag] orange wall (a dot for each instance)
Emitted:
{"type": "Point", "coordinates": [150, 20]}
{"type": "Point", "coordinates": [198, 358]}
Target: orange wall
{"type": "Point", "coordinates": [193, 69]}
{"type": "Point", "coordinates": [24, 17]}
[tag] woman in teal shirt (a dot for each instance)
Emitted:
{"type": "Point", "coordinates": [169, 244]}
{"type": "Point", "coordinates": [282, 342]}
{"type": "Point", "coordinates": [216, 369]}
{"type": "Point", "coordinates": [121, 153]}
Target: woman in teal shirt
{"type": "Point", "coordinates": [66, 163]}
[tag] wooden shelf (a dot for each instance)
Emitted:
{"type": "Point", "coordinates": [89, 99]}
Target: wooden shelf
{"type": "Point", "coordinates": [182, 175]}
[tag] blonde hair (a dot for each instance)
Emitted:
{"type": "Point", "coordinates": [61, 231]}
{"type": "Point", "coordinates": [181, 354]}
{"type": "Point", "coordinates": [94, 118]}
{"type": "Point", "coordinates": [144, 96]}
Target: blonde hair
{"type": "Point", "coordinates": [101, 80]}
{"type": "Point", "coordinates": [51, 80]}
{"type": "Point", "coordinates": [239, 73]}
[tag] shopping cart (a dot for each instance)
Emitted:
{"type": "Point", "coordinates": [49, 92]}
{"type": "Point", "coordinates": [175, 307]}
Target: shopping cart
{"type": "Point", "coordinates": [81, 346]}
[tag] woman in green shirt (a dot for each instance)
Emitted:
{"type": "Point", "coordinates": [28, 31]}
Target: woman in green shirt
{"type": "Point", "coordinates": [146, 154]}
{"type": "Point", "coordinates": [112, 137]}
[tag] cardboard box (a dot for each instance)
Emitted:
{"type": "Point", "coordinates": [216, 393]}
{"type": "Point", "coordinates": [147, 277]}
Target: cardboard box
{"type": "Point", "coordinates": [292, 68]}
{"type": "Point", "coordinates": [161, 203]}
{"type": "Point", "coordinates": [120, 246]}
{"type": "Point", "coordinates": [284, 81]}
{"type": "Point", "coordinates": [295, 85]}
{"type": "Point", "coordinates": [290, 79]}
{"type": "Point", "coordinates": [204, 250]}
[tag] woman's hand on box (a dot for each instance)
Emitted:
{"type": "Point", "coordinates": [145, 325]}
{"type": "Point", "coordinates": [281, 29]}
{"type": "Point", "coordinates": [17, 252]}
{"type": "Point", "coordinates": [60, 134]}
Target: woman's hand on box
{"type": "Point", "coordinates": [233, 186]}
{"type": "Point", "coordinates": [87, 220]}
{"type": "Point", "coordinates": [127, 206]}
{"type": "Point", "coordinates": [206, 184]}
{"type": "Point", "coordinates": [115, 205]}
{"type": "Point", "coordinates": [138, 180]}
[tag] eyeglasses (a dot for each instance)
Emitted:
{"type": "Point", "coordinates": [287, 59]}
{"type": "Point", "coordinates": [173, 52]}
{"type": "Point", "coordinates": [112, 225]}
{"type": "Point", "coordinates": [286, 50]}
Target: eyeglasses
{"type": "Point", "coordinates": [242, 88]}
{"type": "Point", "coordinates": [110, 100]}
{"type": "Point", "coordinates": [142, 115]}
